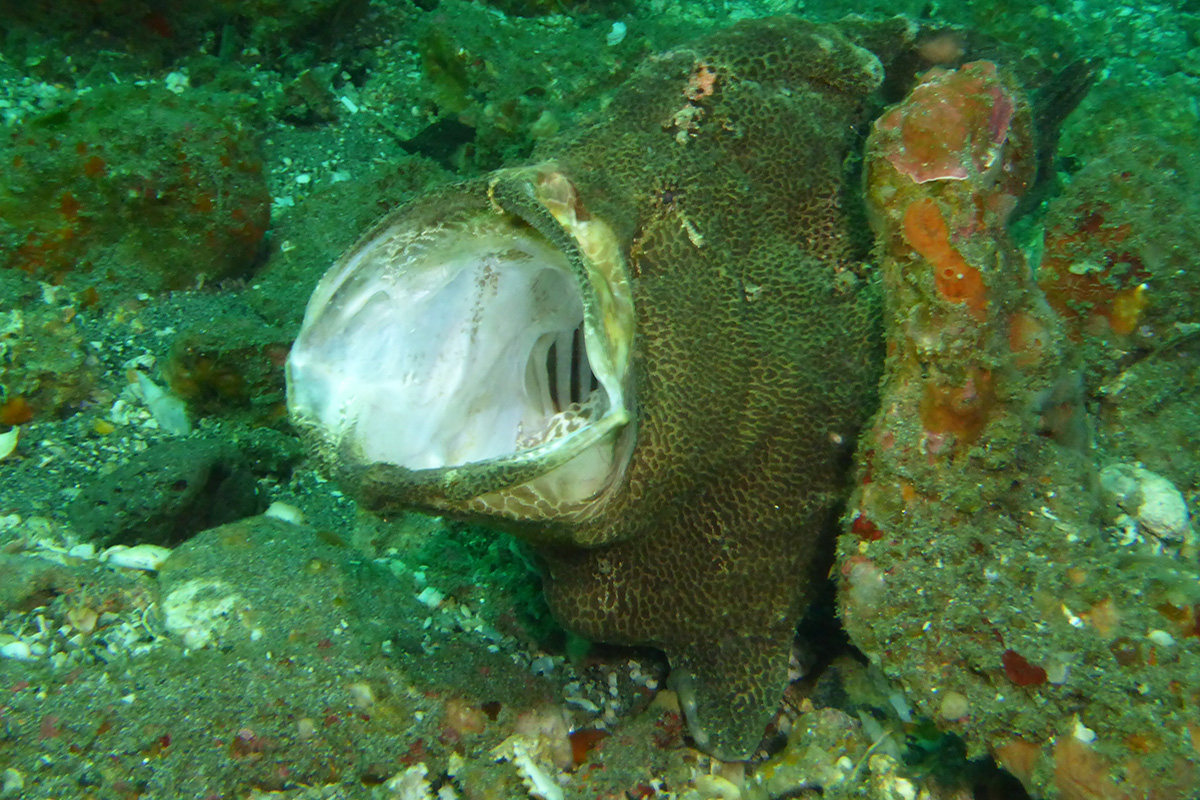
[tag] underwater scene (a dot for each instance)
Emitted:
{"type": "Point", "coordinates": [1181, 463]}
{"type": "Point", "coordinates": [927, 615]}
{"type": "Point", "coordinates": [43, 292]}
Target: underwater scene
{"type": "Point", "coordinates": [599, 399]}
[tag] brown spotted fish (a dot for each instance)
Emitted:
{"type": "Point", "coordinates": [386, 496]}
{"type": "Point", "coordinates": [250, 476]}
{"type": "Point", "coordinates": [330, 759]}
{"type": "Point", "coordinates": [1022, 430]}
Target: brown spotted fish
{"type": "Point", "coordinates": [648, 354]}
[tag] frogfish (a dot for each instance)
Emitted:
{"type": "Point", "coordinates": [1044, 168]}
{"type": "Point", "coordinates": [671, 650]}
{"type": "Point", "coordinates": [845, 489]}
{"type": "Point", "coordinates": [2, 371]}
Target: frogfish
{"type": "Point", "coordinates": [647, 353]}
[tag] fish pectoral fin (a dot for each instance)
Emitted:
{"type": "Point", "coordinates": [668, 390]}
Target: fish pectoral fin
{"type": "Point", "coordinates": [729, 689]}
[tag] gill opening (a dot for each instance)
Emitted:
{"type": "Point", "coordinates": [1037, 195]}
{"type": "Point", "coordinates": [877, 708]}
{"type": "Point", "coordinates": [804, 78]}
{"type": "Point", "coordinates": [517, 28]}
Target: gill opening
{"type": "Point", "coordinates": [559, 374]}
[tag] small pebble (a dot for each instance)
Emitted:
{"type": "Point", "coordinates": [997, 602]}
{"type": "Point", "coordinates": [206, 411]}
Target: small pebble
{"type": "Point", "coordinates": [12, 782]}
{"type": "Point", "coordinates": [1161, 638]}
{"type": "Point", "coordinates": [285, 512]}
{"type": "Point", "coordinates": [954, 706]}
{"type": "Point", "coordinates": [176, 82]}
{"type": "Point", "coordinates": [361, 695]}
{"type": "Point", "coordinates": [431, 597]}
{"type": "Point", "coordinates": [18, 651]}
{"type": "Point", "coordinates": [86, 551]}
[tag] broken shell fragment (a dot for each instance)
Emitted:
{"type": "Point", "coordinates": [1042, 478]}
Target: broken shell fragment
{"type": "Point", "coordinates": [8, 441]}
{"type": "Point", "coordinates": [285, 512]}
{"type": "Point", "coordinates": [148, 557]}
{"type": "Point", "coordinates": [1150, 503]}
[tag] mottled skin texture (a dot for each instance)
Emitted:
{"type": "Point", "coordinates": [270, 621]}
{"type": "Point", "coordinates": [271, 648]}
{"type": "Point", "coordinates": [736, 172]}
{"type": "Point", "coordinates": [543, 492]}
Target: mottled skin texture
{"type": "Point", "coordinates": [756, 355]}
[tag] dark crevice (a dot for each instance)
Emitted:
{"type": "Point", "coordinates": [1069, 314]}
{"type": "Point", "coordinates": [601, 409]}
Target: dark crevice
{"type": "Point", "coordinates": [582, 380]}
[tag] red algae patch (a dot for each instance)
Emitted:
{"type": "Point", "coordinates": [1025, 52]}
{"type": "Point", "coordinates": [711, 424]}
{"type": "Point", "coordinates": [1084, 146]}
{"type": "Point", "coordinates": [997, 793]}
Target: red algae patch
{"type": "Point", "coordinates": [135, 188]}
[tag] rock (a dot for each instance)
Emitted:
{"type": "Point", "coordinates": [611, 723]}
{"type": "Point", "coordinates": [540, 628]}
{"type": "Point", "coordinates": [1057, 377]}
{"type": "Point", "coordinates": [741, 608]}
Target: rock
{"type": "Point", "coordinates": [1149, 508]}
{"type": "Point", "coordinates": [277, 586]}
{"type": "Point", "coordinates": [167, 493]}
{"type": "Point", "coordinates": [186, 167]}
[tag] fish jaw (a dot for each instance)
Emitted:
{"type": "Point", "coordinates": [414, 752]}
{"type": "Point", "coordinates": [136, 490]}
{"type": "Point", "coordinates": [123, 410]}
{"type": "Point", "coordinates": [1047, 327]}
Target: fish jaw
{"type": "Point", "coordinates": [467, 357]}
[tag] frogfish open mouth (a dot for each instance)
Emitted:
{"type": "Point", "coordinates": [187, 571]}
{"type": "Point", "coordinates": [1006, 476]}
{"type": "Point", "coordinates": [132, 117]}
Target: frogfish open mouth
{"type": "Point", "coordinates": [476, 343]}
{"type": "Point", "coordinates": [648, 353]}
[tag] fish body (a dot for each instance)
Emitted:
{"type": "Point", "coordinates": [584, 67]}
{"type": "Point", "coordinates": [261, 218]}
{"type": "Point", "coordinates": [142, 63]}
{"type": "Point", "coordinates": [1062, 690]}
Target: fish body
{"type": "Point", "coordinates": [648, 354]}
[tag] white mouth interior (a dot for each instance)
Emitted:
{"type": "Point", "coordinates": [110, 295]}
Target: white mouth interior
{"type": "Point", "coordinates": [459, 349]}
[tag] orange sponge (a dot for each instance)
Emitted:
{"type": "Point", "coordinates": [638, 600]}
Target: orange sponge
{"type": "Point", "coordinates": [957, 281]}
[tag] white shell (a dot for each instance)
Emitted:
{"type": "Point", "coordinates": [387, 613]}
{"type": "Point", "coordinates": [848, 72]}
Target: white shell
{"type": "Point", "coordinates": [410, 784]}
{"type": "Point", "coordinates": [148, 557]}
{"type": "Point", "coordinates": [535, 777]}
{"type": "Point", "coordinates": [13, 781]}
{"type": "Point", "coordinates": [8, 441]}
{"type": "Point", "coordinates": [169, 411]}
{"type": "Point", "coordinates": [1161, 638]}
{"type": "Point", "coordinates": [87, 551]}
{"type": "Point", "coordinates": [431, 597]}
{"type": "Point", "coordinates": [616, 34]}
{"type": "Point", "coordinates": [1163, 511]}
{"type": "Point", "coordinates": [1151, 502]}
{"type": "Point", "coordinates": [17, 650]}
{"type": "Point", "coordinates": [285, 512]}
{"type": "Point", "coordinates": [203, 612]}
